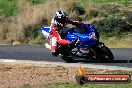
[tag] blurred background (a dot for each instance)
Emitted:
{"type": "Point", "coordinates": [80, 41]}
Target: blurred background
{"type": "Point", "coordinates": [20, 20]}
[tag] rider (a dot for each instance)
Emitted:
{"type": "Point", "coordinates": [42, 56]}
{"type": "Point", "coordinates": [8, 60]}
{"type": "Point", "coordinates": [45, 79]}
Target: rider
{"type": "Point", "coordinates": [58, 22]}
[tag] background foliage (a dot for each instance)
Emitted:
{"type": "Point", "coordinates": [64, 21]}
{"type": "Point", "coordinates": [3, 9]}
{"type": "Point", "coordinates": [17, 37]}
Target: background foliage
{"type": "Point", "coordinates": [20, 20]}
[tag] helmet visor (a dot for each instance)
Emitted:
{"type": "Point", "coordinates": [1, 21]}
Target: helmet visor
{"type": "Point", "coordinates": [61, 20]}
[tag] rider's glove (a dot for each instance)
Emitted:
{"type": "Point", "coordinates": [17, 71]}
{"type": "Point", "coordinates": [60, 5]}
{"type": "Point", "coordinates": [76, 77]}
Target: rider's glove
{"type": "Point", "coordinates": [79, 25]}
{"type": "Point", "coordinates": [73, 43]}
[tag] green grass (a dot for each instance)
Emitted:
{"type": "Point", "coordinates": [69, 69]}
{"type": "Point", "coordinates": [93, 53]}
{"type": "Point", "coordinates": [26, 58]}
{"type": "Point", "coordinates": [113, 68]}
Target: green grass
{"type": "Point", "coordinates": [8, 7]}
{"type": "Point", "coordinates": [119, 2]}
{"type": "Point", "coordinates": [124, 41]}
{"type": "Point", "coordinates": [35, 2]}
{"type": "Point", "coordinates": [26, 86]}
{"type": "Point", "coordinates": [75, 85]}
{"type": "Point", "coordinates": [119, 72]}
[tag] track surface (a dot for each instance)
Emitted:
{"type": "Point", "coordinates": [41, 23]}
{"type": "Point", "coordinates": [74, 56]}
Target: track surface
{"type": "Point", "coordinates": [123, 57]}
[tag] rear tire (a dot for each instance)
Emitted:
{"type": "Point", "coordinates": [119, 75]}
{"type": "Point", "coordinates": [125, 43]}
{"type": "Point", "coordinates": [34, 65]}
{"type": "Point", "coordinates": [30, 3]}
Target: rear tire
{"type": "Point", "coordinates": [68, 59]}
{"type": "Point", "coordinates": [65, 54]}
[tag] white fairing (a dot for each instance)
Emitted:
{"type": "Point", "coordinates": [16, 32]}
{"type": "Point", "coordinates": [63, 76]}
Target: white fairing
{"type": "Point", "coordinates": [54, 41]}
{"type": "Point", "coordinates": [45, 33]}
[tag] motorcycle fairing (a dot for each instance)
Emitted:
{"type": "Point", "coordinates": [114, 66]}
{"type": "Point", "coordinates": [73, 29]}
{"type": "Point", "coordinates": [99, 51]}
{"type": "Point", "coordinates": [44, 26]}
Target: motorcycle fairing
{"type": "Point", "coordinates": [45, 31]}
{"type": "Point", "coordinates": [86, 41]}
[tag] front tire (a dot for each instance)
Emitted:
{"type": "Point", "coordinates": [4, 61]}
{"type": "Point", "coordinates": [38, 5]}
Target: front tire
{"type": "Point", "coordinates": [105, 54]}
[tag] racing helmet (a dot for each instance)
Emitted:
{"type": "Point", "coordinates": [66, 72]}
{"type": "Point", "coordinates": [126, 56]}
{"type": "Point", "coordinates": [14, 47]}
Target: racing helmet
{"type": "Point", "coordinates": [60, 18]}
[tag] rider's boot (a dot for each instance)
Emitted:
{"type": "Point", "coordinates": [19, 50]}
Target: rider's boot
{"type": "Point", "coordinates": [55, 54]}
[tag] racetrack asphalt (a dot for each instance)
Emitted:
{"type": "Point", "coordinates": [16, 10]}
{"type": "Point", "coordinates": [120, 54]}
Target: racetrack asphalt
{"type": "Point", "coordinates": [123, 56]}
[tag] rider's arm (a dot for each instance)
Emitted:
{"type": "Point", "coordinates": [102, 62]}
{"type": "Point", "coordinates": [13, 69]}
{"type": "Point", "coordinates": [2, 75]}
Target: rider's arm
{"type": "Point", "coordinates": [76, 23]}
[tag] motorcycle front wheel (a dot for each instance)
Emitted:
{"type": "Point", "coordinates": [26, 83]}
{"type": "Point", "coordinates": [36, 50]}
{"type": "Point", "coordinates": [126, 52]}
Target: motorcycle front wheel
{"type": "Point", "coordinates": [105, 54]}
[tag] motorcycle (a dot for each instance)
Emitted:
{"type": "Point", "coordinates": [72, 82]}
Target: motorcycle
{"type": "Point", "coordinates": [88, 45]}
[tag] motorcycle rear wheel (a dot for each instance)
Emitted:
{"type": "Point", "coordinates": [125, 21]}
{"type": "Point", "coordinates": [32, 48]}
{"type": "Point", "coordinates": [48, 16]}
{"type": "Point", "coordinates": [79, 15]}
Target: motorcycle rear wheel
{"type": "Point", "coordinates": [68, 59]}
{"type": "Point", "coordinates": [65, 54]}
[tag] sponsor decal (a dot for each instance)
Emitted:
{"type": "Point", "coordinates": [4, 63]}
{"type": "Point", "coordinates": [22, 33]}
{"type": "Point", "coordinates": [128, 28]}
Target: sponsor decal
{"type": "Point", "coordinates": [82, 77]}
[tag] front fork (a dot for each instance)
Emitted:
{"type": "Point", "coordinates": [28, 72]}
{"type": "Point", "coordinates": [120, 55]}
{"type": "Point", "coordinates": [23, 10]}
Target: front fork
{"type": "Point", "coordinates": [95, 49]}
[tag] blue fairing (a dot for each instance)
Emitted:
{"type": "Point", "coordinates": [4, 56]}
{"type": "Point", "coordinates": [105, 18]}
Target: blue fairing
{"type": "Point", "coordinates": [86, 41]}
{"type": "Point", "coordinates": [46, 29]}
{"type": "Point", "coordinates": [84, 33]}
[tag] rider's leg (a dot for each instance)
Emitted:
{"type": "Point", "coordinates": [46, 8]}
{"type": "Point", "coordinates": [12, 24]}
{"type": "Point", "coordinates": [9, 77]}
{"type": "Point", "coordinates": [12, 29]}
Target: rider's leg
{"type": "Point", "coordinates": [53, 43]}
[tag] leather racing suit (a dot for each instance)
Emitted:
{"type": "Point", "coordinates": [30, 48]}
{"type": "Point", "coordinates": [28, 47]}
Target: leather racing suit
{"type": "Point", "coordinates": [55, 37]}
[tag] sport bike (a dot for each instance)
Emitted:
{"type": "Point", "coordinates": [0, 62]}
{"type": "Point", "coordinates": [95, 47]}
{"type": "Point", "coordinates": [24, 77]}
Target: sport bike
{"type": "Point", "coordinates": [87, 44]}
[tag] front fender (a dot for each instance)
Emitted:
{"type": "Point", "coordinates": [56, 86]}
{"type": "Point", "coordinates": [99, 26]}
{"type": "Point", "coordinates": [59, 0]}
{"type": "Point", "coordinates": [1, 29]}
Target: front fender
{"type": "Point", "coordinates": [100, 44]}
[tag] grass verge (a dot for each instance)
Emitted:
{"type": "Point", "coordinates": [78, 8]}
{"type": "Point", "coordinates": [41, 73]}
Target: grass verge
{"type": "Point", "coordinates": [118, 2]}
{"type": "Point", "coordinates": [35, 2]}
{"type": "Point", "coordinates": [8, 7]}
{"type": "Point", "coordinates": [124, 41]}
{"type": "Point", "coordinates": [75, 85]}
